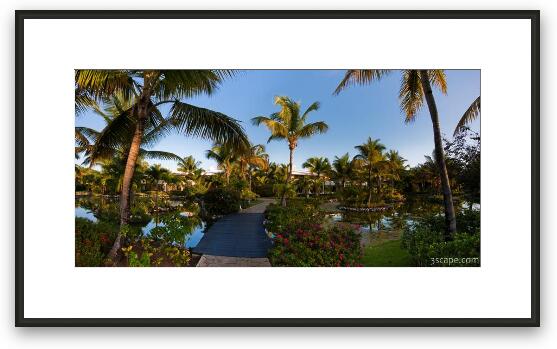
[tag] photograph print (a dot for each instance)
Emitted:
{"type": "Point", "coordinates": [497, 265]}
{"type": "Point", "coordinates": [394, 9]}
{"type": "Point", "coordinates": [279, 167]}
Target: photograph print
{"type": "Point", "coordinates": [277, 168]}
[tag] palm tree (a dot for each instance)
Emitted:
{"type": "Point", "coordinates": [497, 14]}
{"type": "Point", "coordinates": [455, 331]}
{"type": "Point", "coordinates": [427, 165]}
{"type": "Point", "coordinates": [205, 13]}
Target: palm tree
{"type": "Point", "coordinates": [343, 169]}
{"type": "Point", "coordinates": [318, 166]}
{"type": "Point", "coordinates": [149, 89]}
{"type": "Point", "coordinates": [250, 158]}
{"type": "Point", "coordinates": [430, 173]}
{"type": "Point", "coordinates": [290, 124]}
{"type": "Point", "coordinates": [469, 115]}
{"type": "Point", "coordinates": [156, 174]}
{"type": "Point", "coordinates": [370, 154]}
{"type": "Point", "coordinates": [395, 163]}
{"type": "Point", "coordinates": [225, 155]}
{"type": "Point", "coordinates": [188, 165]}
{"type": "Point", "coordinates": [415, 87]}
{"type": "Point", "coordinates": [305, 184]}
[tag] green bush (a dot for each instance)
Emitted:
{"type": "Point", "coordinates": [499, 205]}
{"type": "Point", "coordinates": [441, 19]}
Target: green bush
{"type": "Point", "coordinates": [426, 244]}
{"type": "Point", "coordinates": [297, 212]}
{"type": "Point", "coordinates": [264, 190]}
{"type": "Point", "coordinates": [247, 195]}
{"type": "Point", "coordinates": [222, 200]}
{"type": "Point", "coordinates": [139, 215]}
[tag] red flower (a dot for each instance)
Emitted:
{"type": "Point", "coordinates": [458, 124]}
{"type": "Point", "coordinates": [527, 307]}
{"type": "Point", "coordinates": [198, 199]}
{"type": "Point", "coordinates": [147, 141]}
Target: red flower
{"type": "Point", "coordinates": [285, 241]}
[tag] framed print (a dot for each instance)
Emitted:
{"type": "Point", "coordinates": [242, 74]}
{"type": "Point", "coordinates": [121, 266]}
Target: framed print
{"type": "Point", "coordinates": [277, 168]}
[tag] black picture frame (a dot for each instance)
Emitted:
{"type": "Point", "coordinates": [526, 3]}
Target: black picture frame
{"type": "Point", "coordinates": [532, 321]}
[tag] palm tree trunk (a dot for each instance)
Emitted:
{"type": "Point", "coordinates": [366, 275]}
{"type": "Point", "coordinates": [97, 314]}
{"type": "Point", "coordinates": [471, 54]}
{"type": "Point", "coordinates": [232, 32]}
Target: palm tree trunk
{"type": "Point", "coordinates": [157, 198]}
{"type": "Point", "coordinates": [283, 199]}
{"type": "Point", "coordinates": [450, 219]}
{"type": "Point", "coordinates": [133, 154]}
{"type": "Point", "coordinates": [369, 188]}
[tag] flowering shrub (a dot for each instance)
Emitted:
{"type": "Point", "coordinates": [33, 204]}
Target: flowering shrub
{"type": "Point", "coordinates": [92, 242]}
{"type": "Point", "coordinates": [302, 240]}
{"type": "Point", "coordinates": [315, 246]}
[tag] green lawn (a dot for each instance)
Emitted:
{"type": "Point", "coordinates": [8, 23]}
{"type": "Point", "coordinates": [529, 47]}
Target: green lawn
{"type": "Point", "coordinates": [387, 254]}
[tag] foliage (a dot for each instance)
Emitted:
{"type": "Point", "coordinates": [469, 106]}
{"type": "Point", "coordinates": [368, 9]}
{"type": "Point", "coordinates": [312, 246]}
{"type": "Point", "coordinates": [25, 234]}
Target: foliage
{"type": "Point", "coordinates": [284, 190]}
{"type": "Point", "coordinates": [247, 195]}
{"type": "Point", "coordinates": [222, 201]}
{"type": "Point", "coordinates": [425, 240]}
{"type": "Point", "coordinates": [92, 242]}
{"type": "Point", "coordinates": [296, 213]}
{"type": "Point", "coordinates": [463, 153]}
{"type": "Point", "coordinates": [264, 190]}
{"type": "Point", "coordinates": [149, 252]}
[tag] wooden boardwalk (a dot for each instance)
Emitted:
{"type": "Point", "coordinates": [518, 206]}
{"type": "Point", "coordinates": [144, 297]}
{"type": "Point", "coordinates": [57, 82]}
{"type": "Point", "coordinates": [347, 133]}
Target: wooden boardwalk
{"type": "Point", "coordinates": [238, 235]}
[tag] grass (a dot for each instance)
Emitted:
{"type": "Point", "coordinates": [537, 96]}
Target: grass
{"type": "Point", "coordinates": [387, 254]}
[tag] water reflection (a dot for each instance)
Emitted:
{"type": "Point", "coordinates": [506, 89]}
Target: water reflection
{"type": "Point", "coordinates": [175, 221]}
{"type": "Point", "coordinates": [389, 224]}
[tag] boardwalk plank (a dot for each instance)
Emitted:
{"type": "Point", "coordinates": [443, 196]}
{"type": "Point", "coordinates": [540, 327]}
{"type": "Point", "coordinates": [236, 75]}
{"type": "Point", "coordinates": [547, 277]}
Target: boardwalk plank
{"type": "Point", "coordinates": [238, 235]}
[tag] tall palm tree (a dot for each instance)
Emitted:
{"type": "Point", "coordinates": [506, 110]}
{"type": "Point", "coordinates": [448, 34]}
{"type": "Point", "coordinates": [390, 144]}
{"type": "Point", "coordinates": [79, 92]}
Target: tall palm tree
{"type": "Point", "coordinates": [415, 87]}
{"type": "Point", "coordinates": [225, 156]}
{"type": "Point", "coordinates": [318, 166]}
{"type": "Point", "coordinates": [343, 169]}
{"type": "Point", "coordinates": [290, 124]}
{"type": "Point", "coordinates": [469, 115]}
{"type": "Point", "coordinates": [149, 89]}
{"type": "Point", "coordinates": [370, 154]}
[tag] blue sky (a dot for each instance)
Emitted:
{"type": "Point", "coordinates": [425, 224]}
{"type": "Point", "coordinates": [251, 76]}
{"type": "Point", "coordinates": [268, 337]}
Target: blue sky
{"type": "Point", "coordinates": [357, 113]}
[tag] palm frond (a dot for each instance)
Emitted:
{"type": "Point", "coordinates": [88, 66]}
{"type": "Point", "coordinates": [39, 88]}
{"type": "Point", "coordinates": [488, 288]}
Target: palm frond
{"type": "Point", "coordinates": [159, 155]}
{"type": "Point", "coordinates": [411, 94]}
{"type": "Point", "coordinates": [207, 124]}
{"type": "Point", "coordinates": [438, 79]}
{"type": "Point", "coordinates": [105, 83]}
{"type": "Point", "coordinates": [113, 136]}
{"type": "Point", "coordinates": [83, 101]}
{"type": "Point", "coordinates": [469, 115]}
{"type": "Point", "coordinates": [278, 129]}
{"type": "Point", "coordinates": [178, 84]}
{"type": "Point", "coordinates": [312, 129]}
{"type": "Point", "coordinates": [314, 106]}
{"type": "Point", "coordinates": [360, 77]}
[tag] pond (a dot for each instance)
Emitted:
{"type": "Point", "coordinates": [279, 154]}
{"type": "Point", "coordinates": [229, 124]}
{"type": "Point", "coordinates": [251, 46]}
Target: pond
{"type": "Point", "coordinates": [388, 224]}
{"type": "Point", "coordinates": [182, 224]}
